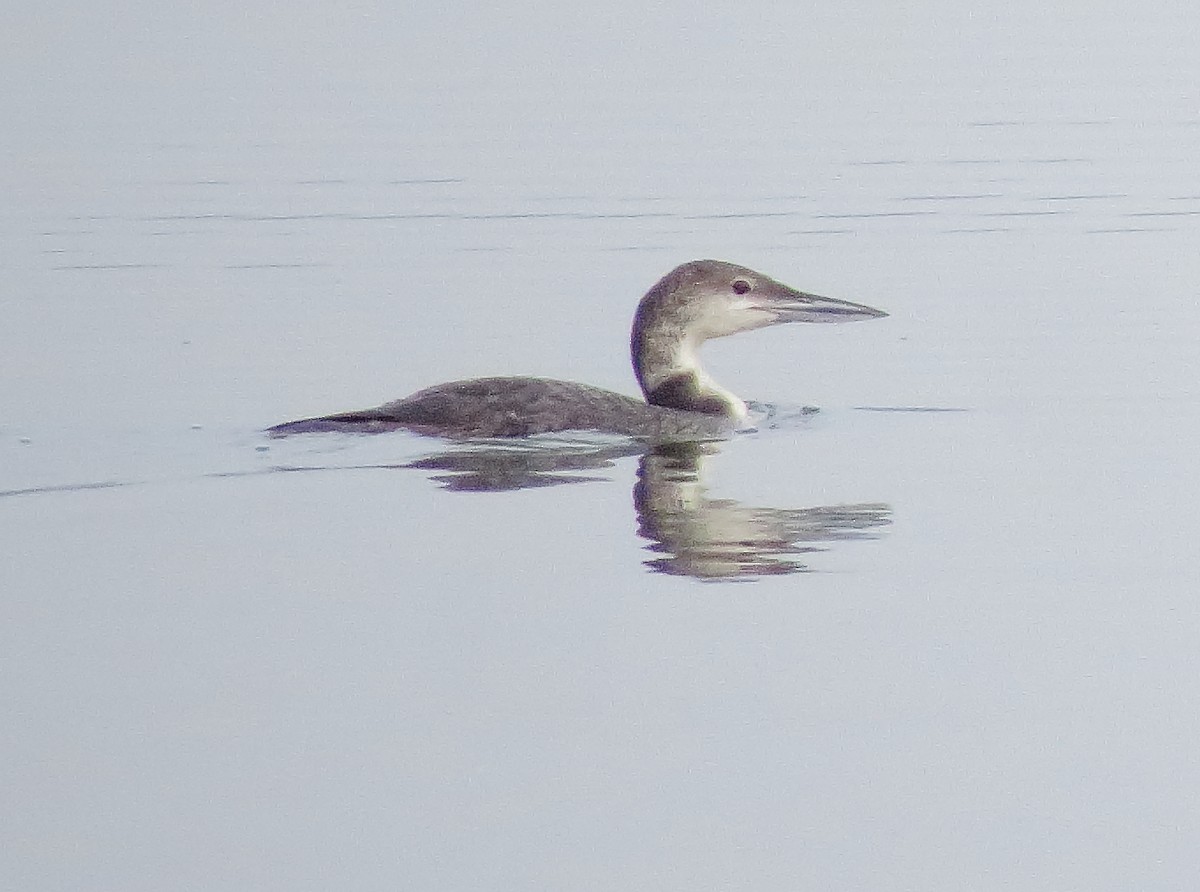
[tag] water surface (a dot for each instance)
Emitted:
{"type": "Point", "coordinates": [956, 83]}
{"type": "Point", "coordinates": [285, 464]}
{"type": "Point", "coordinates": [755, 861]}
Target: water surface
{"type": "Point", "coordinates": [960, 649]}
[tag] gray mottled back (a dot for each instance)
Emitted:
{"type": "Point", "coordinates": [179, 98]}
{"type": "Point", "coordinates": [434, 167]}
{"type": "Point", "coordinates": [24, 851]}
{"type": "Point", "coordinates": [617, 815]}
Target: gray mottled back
{"type": "Point", "coordinates": [517, 407]}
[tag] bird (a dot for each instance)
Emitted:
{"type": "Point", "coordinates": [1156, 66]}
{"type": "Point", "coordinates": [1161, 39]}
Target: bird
{"type": "Point", "coordinates": [693, 303]}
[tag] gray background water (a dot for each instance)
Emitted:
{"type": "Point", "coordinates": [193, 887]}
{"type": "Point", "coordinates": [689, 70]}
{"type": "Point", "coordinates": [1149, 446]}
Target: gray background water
{"type": "Point", "coordinates": [217, 676]}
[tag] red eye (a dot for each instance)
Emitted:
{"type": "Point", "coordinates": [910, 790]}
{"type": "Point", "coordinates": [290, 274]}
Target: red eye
{"type": "Point", "coordinates": [740, 286]}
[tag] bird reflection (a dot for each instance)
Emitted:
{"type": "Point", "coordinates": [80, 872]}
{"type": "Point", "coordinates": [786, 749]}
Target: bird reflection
{"type": "Point", "coordinates": [690, 534]}
{"type": "Point", "coordinates": [501, 467]}
{"type": "Point", "coordinates": [724, 539]}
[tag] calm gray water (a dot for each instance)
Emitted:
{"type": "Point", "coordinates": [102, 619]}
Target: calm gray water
{"type": "Point", "coordinates": [961, 653]}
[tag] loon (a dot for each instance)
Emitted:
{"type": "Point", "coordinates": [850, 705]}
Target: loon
{"type": "Point", "coordinates": [694, 302]}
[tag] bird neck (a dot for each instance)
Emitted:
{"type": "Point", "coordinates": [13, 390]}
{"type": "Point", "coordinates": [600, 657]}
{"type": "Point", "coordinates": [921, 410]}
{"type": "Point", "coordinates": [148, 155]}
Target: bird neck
{"type": "Point", "coordinates": [667, 365]}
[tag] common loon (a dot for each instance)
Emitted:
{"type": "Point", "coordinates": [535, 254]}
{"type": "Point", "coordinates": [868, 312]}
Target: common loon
{"type": "Point", "coordinates": [694, 302]}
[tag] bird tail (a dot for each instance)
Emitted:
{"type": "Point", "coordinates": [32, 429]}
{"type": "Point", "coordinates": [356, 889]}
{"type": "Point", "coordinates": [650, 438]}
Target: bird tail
{"type": "Point", "coordinates": [366, 421]}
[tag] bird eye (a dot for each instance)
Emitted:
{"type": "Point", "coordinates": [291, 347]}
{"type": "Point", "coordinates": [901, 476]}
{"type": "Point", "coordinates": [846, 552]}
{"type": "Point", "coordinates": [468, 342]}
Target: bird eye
{"type": "Point", "coordinates": [740, 286]}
